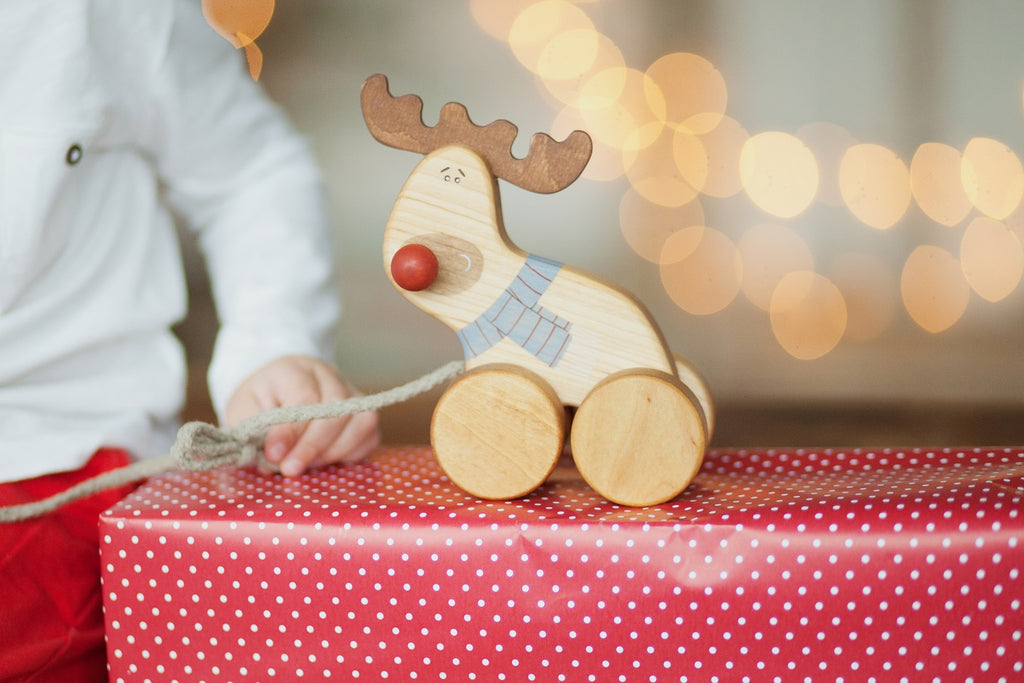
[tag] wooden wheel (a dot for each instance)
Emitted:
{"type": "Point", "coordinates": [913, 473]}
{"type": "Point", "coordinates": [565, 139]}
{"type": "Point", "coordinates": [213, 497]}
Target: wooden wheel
{"type": "Point", "coordinates": [695, 382]}
{"type": "Point", "coordinates": [498, 431]}
{"type": "Point", "coordinates": [639, 438]}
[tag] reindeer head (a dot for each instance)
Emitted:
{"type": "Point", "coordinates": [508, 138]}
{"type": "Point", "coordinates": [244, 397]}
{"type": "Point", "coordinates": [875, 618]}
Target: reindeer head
{"type": "Point", "coordinates": [446, 227]}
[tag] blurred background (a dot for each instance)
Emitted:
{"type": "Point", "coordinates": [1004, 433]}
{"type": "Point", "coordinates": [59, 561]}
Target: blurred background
{"type": "Point", "coordinates": [820, 203]}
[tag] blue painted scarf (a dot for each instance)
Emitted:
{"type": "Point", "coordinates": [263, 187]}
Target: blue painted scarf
{"type": "Point", "coordinates": [516, 315]}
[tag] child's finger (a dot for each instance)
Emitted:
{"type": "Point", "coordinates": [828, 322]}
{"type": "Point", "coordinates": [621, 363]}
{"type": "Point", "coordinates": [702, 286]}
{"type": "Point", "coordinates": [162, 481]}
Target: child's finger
{"type": "Point", "coordinates": [317, 438]}
{"type": "Point", "coordinates": [281, 439]}
{"type": "Point", "coordinates": [360, 436]}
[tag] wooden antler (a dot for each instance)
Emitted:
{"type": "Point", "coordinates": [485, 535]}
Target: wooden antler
{"type": "Point", "coordinates": [398, 122]}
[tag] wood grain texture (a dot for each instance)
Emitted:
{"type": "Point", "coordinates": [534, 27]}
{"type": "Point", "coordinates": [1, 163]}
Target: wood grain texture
{"type": "Point", "coordinates": [638, 438]}
{"type": "Point", "coordinates": [537, 335]}
{"type": "Point", "coordinates": [498, 432]}
{"type": "Point", "coordinates": [549, 166]}
{"type": "Point", "coordinates": [611, 331]}
{"type": "Point", "coordinates": [693, 380]}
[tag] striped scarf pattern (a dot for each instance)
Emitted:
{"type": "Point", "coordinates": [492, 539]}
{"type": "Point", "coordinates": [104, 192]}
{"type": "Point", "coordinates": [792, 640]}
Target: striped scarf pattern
{"type": "Point", "coordinates": [517, 314]}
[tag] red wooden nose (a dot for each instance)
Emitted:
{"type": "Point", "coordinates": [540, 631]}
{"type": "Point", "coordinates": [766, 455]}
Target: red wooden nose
{"type": "Point", "coordinates": [414, 267]}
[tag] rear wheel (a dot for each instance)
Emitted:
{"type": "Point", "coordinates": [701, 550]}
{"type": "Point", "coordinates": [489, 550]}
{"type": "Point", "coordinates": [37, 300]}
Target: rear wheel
{"type": "Point", "coordinates": [695, 382]}
{"type": "Point", "coordinates": [498, 431]}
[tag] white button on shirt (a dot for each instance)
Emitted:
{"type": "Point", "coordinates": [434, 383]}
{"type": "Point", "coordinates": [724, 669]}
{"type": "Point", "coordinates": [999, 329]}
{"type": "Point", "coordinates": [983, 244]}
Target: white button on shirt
{"type": "Point", "coordinates": [113, 114]}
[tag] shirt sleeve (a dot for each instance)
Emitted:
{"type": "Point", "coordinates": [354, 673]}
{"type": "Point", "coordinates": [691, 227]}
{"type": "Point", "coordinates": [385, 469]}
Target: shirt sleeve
{"type": "Point", "coordinates": [247, 183]}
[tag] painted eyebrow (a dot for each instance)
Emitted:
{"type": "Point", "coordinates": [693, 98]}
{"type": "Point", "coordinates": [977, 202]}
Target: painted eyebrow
{"type": "Point", "coordinates": [444, 169]}
{"type": "Point", "coordinates": [463, 174]}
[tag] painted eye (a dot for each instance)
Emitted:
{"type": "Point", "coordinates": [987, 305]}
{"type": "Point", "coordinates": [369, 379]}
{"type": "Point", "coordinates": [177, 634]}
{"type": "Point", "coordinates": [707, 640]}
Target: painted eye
{"type": "Point", "coordinates": [448, 178]}
{"type": "Point", "coordinates": [458, 180]}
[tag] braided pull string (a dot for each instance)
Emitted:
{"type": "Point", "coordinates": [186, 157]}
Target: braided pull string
{"type": "Point", "coordinates": [200, 446]}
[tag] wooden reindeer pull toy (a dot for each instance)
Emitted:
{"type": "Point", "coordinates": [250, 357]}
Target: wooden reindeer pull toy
{"type": "Point", "coordinates": [537, 335]}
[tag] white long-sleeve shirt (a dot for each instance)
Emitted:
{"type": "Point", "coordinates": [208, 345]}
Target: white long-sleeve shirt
{"type": "Point", "coordinates": [113, 114]}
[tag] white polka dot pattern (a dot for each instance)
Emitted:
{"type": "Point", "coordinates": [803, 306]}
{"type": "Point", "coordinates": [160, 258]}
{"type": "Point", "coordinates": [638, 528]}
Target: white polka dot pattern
{"type": "Point", "coordinates": [798, 565]}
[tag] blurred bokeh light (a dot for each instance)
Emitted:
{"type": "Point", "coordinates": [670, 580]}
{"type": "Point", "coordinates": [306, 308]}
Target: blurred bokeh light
{"type": "Point", "coordinates": [934, 289]}
{"type": "Point", "coordinates": [992, 258]}
{"type": "Point", "coordinates": [647, 225]}
{"type": "Point", "coordinates": [875, 184]}
{"type": "Point", "coordinates": [936, 185]}
{"type": "Point", "coordinates": [770, 252]}
{"type": "Point", "coordinates": [779, 173]}
{"type": "Point", "coordinates": [666, 128]}
{"type": "Point", "coordinates": [692, 89]}
{"type": "Point", "coordinates": [701, 269]}
{"type": "Point", "coordinates": [808, 314]}
{"type": "Point", "coordinates": [992, 177]}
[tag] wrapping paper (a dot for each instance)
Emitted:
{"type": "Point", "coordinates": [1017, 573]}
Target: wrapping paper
{"type": "Point", "coordinates": [806, 565]}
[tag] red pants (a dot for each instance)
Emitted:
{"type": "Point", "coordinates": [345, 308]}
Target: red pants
{"type": "Point", "coordinates": [51, 605]}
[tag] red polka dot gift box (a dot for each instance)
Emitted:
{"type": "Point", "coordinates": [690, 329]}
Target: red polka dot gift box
{"type": "Point", "coordinates": [776, 565]}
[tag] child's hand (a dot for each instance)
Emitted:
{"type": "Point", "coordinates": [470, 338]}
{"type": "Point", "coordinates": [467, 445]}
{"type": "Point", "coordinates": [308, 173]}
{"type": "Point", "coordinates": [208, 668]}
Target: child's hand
{"type": "Point", "coordinates": [298, 380]}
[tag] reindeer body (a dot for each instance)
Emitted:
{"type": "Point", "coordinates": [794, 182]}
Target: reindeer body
{"type": "Point", "coordinates": [537, 335]}
{"type": "Point", "coordinates": [608, 331]}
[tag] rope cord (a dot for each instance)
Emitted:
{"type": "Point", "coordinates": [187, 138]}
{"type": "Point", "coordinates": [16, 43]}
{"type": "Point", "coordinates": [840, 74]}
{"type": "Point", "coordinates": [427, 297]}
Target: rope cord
{"type": "Point", "coordinates": [200, 446]}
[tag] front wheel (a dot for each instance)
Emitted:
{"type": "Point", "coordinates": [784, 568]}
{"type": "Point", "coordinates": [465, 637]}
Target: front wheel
{"type": "Point", "coordinates": [639, 438]}
{"type": "Point", "coordinates": [498, 431]}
